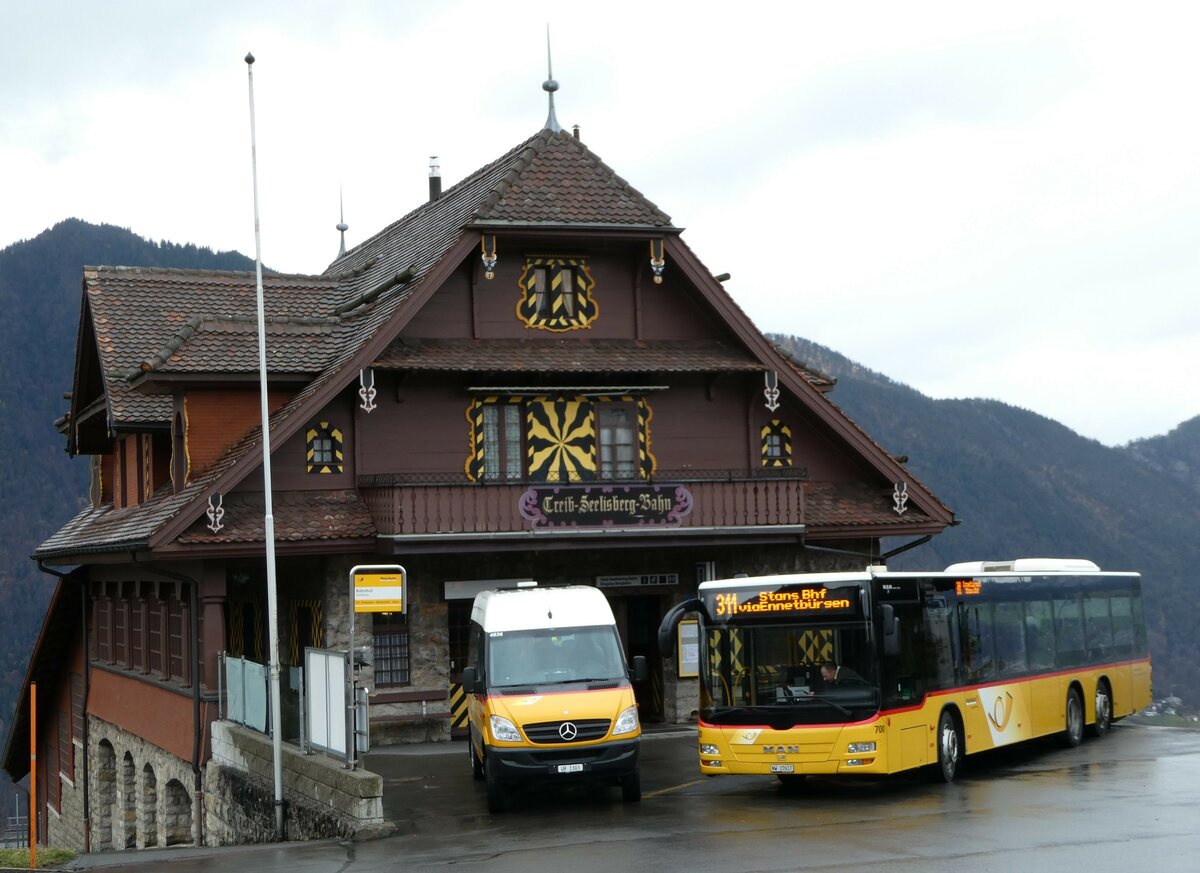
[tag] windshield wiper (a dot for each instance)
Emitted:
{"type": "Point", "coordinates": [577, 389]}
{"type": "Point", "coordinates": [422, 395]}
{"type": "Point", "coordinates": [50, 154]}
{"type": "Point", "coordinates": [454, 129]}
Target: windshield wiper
{"type": "Point", "coordinates": [843, 710]}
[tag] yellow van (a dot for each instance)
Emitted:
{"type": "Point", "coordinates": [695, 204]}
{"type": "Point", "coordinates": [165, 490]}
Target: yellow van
{"type": "Point", "coordinates": [549, 697]}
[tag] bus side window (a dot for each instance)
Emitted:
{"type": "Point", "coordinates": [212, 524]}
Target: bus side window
{"type": "Point", "coordinates": [1010, 639]}
{"type": "Point", "coordinates": [938, 659]}
{"type": "Point", "coordinates": [975, 624]}
{"type": "Point", "coordinates": [1068, 631]}
{"type": "Point", "coordinates": [1122, 619]}
{"type": "Point", "coordinates": [1098, 627]}
{"type": "Point", "coordinates": [1039, 629]}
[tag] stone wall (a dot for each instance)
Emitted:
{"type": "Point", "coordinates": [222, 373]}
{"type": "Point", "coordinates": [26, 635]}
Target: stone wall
{"type": "Point", "coordinates": [408, 721]}
{"type": "Point", "coordinates": [141, 796]}
{"type": "Point", "coordinates": [321, 798]}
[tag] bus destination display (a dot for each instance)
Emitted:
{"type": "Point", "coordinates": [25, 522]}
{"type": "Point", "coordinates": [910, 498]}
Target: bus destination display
{"type": "Point", "coordinates": [781, 602]}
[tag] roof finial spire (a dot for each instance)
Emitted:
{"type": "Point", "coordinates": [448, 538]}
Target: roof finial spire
{"type": "Point", "coordinates": [550, 86]}
{"type": "Point", "coordinates": [341, 225]}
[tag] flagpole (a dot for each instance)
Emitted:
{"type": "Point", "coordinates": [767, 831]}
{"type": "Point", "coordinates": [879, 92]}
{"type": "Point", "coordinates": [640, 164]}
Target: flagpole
{"type": "Point", "coordinates": [268, 518]}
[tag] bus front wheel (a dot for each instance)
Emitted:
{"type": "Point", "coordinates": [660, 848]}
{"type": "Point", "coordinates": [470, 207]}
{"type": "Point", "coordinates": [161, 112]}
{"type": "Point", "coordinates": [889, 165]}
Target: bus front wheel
{"type": "Point", "coordinates": [949, 749]}
{"type": "Point", "coordinates": [1073, 733]}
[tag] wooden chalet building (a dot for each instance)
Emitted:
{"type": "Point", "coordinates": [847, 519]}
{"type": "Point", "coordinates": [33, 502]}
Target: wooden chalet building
{"type": "Point", "coordinates": [530, 376]}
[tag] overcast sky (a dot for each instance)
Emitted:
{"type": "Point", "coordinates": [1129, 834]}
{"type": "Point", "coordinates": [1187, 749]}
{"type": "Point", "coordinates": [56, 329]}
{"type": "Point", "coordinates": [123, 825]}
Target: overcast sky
{"type": "Point", "coordinates": [977, 200]}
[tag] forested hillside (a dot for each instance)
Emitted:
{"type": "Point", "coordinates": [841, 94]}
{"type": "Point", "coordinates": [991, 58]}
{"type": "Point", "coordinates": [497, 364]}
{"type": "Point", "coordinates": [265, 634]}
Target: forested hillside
{"type": "Point", "coordinates": [40, 487]}
{"type": "Point", "coordinates": [1023, 485]}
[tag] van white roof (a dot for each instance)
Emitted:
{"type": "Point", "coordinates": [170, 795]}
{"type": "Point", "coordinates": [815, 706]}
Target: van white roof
{"type": "Point", "coordinates": [541, 608]}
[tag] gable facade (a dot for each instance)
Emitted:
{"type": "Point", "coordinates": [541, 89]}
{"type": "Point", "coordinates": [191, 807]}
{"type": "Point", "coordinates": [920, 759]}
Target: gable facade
{"type": "Point", "coordinates": [529, 377]}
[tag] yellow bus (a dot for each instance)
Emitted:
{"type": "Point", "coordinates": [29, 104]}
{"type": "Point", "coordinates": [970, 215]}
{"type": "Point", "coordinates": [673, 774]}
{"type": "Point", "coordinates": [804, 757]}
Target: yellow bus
{"type": "Point", "coordinates": [878, 671]}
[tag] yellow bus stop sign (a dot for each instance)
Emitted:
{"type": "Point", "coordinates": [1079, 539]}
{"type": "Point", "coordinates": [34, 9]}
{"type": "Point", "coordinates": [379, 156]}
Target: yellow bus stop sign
{"type": "Point", "coordinates": [380, 589]}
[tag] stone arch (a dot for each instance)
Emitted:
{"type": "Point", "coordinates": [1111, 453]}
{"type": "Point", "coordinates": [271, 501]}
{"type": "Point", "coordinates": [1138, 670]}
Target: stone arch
{"type": "Point", "coordinates": [149, 807]}
{"type": "Point", "coordinates": [177, 814]}
{"type": "Point", "coordinates": [106, 794]}
{"type": "Point", "coordinates": [125, 835]}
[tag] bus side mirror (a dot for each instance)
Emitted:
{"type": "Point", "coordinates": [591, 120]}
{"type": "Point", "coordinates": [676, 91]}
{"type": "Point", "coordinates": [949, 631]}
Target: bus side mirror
{"type": "Point", "coordinates": [641, 668]}
{"type": "Point", "coordinates": [891, 624]}
{"type": "Point", "coordinates": [666, 630]}
{"type": "Point", "coordinates": [470, 681]}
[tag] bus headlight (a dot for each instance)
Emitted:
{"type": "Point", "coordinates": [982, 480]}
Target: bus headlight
{"type": "Point", "coordinates": [504, 730]}
{"type": "Point", "coordinates": [709, 749]}
{"type": "Point", "coordinates": [859, 748]}
{"type": "Point", "coordinates": [627, 722]}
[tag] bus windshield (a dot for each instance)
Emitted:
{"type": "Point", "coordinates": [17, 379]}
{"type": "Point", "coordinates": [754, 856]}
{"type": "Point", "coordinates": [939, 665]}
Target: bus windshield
{"type": "Point", "coordinates": [788, 674]}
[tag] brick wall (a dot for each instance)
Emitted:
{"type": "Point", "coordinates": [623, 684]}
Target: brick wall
{"type": "Point", "coordinates": [216, 420]}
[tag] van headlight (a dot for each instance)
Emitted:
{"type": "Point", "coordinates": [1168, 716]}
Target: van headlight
{"type": "Point", "coordinates": [627, 722]}
{"type": "Point", "coordinates": [504, 730]}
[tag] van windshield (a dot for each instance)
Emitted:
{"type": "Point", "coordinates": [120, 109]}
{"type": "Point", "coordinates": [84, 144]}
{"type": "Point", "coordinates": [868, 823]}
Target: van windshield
{"type": "Point", "coordinates": [538, 657]}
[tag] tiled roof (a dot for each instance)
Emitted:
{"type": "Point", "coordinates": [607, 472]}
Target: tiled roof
{"type": "Point", "coordinates": [298, 517]}
{"type": "Point", "coordinates": [230, 345]}
{"type": "Point", "coordinates": [562, 181]}
{"type": "Point", "coordinates": [141, 316]}
{"type": "Point", "coordinates": [180, 321]}
{"type": "Point", "coordinates": [566, 355]}
{"type": "Point", "coordinates": [105, 529]}
{"type": "Point", "coordinates": [854, 504]}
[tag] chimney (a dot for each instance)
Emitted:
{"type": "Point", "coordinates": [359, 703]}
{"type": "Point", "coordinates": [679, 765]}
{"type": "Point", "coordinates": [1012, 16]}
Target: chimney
{"type": "Point", "coordinates": [435, 178]}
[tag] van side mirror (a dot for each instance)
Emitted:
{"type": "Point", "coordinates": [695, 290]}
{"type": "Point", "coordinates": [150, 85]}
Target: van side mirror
{"type": "Point", "coordinates": [641, 668]}
{"type": "Point", "coordinates": [470, 681]}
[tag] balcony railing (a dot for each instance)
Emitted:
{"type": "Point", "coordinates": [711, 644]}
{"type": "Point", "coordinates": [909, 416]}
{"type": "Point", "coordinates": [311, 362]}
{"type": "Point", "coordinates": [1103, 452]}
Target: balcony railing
{"type": "Point", "coordinates": [409, 505]}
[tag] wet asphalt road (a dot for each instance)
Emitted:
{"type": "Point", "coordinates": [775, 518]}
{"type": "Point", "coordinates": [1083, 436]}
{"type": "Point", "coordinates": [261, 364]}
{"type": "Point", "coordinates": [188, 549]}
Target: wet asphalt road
{"type": "Point", "coordinates": [1125, 802]}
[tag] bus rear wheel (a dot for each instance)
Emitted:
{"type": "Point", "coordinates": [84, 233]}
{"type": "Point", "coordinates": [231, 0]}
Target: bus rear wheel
{"type": "Point", "coordinates": [1073, 734]}
{"type": "Point", "coordinates": [949, 749]}
{"type": "Point", "coordinates": [1104, 710]}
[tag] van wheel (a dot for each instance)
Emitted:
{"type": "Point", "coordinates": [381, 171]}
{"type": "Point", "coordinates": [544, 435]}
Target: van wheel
{"type": "Point", "coordinates": [476, 764]}
{"type": "Point", "coordinates": [497, 801]}
{"type": "Point", "coordinates": [631, 787]}
{"type": "Point", "coordinates": [1073, 733]}
{"type": "Point", "coordinates": [1104, 709]}
{"type": "Point", "coordinates": [949, 749]}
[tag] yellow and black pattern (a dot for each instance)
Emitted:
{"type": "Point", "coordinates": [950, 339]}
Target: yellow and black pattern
{"type": "Point", "coordinates": [307, 627]}
{"type": "Point", "coordinates": [561, 439]}
{"type": "Point", "coordinates": [725, 644]}
{"type": "Point", "coordinates": [458, 707]}
{"type": "Point", "coordinates": [816, 647]}
{"type": "Point", "coordinates": [244, 628]}
{"type": "Point", "coordinates": [565, 301]}
{"type": "Point", "coordinates": [324, 448]}
{"type": "Point", "coordinates": [476, 461]}
{"type": "Point", "coordinates": [776, 444]}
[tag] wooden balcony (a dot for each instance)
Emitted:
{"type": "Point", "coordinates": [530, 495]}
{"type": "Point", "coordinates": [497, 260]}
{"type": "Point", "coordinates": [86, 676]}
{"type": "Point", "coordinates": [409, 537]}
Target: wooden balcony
{"type": "Point", "coordinates": [401, 507]}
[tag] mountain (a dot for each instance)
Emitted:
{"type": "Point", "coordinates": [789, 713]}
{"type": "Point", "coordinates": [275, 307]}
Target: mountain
{"type": "Point", "coordinates": [1177, 454]}
{"type": "Point", "coordinates": [40, 488]}
{"type": "Point", "coordinates": [1023, 485]}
